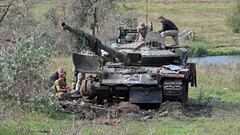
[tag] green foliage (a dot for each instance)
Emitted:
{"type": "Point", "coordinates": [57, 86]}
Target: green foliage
{"type": "Point", "coordinates": [223, 51]}
{"type": "Point", "coordinates": [233, 19]}
{"type": "Point", "coordinates": [199, 46]}
{"type": "Point", "coordinates": [24, 73]}
{"type": "Point", "coordinates": [198, 49]}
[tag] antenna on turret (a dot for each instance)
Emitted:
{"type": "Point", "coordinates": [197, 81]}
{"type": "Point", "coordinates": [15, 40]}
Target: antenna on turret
{"type": "Point", "coordinates": [146, 11]}
{"type": "Point", "coordinates": [151, 27]}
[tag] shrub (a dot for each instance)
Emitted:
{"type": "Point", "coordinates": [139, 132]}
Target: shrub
{"type": "Point", "coordinates": [23, 77]}
{"type": "Point", "coordinates": [198, 49]}
{"type": "Point", "coordinates": [233, 19]}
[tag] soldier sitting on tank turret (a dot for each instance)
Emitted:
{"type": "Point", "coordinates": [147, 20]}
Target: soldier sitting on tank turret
{"type": "Point", "coordinates": [142, 29]}
{"type": "Point", "coordinates": [169, 29]}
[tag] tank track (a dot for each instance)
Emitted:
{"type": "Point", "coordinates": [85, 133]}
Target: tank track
{"type": "Point", "coordinates": [173, 87]}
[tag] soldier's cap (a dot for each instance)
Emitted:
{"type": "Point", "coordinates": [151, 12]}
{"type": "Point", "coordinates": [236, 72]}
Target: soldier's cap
{"type": "Point", "coordinates": [141, 26]}
{"type": "Point", "coordinates": [160, 17]}
{"type": "Point", "coordinates": [61, 75]}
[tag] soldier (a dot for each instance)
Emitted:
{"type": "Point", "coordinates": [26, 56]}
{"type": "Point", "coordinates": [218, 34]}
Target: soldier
{"type": "Point", "coordinates": [55, 76]}
{"type": "Point", "coordinates": [142, 32]}
{"type": "Point", "coordinates": [61, 87]}
{"type": "Point", "coordinates": [169, 29]}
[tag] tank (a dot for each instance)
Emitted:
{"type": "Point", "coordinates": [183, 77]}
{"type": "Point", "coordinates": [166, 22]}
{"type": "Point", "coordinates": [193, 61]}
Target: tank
{"type": "Point", "coordinates": [138, 72]}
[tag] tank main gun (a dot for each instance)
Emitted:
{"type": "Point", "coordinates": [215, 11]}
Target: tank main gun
{"type": "Point", "coordinates": [95, 44]}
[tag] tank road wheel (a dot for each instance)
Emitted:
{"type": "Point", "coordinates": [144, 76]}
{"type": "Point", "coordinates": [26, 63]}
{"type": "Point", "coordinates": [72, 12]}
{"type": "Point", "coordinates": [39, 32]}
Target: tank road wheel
{"type": "Point", "coordinates": [86, 88]}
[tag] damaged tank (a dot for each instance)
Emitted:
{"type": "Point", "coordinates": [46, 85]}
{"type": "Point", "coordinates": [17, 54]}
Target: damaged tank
{"type": "Point", "coordinates": [138, 72]}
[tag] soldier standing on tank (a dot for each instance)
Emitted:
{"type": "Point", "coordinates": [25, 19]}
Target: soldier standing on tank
{"type": "Point", "coordinates": [142, 29]}
{"type": "Point", "coordinates": [169, 29]}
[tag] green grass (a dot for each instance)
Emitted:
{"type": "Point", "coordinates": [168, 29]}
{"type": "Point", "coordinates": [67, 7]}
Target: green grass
{"type": "Point", "coordinates": [205, 19]}
{"type": "Point", "coordinates": [218, 86]}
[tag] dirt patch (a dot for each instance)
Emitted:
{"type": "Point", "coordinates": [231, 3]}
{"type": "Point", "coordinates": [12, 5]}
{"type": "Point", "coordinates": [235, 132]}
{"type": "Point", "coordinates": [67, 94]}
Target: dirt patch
{"type": "Point", "coordinates": [188, 110]}
{"type": "Point", "coordinates": [131, 111]}
{"type": "Point", "coordinates": [198, 110]}
{"type": "Point", "coordinates": [90, 111]}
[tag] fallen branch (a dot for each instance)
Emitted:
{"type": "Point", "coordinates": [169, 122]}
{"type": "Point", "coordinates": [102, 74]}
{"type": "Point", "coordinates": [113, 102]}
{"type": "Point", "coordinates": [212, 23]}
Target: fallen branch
{"type": "Point", "coordinates": [7, 40]}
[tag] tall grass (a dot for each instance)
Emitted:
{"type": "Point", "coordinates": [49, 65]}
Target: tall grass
{"type": "Point", "coordinates": [198, 49]}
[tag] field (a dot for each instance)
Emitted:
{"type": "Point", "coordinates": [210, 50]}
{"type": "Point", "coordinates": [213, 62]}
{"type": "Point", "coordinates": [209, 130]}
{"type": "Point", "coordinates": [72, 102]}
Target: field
{"type": "Point", "coordinates": [206, 19]}
{"type": "Point", "coordinates": [213, 108]}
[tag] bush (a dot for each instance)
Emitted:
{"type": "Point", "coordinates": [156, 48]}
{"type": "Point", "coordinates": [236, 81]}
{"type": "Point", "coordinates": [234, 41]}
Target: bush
{"type": "Point", "coordinates": [233, 19]}
{"type": "Point", "coordinates": [23, 77]}
{"type": "Point", "coordinates": [198, 50]}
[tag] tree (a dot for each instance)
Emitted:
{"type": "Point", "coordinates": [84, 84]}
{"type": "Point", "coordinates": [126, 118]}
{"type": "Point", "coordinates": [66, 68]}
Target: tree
{"type": "Point", "coordinates": [24, 70]}
{"type": "Point", "coordinates": [93, 12]}
{"type": "Point", "coordinates": [101, 18]}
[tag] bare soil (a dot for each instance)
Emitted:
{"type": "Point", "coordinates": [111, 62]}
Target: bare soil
{"type": "Point", "coordinates": [126, 110]}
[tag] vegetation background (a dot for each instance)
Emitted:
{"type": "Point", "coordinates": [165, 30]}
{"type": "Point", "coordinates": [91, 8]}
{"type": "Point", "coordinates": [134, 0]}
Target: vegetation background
{"type": "Point", "coordinates": [33, 46]}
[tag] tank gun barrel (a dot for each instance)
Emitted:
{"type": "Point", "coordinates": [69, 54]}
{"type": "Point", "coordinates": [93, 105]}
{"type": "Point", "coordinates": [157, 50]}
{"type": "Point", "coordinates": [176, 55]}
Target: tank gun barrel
{"type": "Point", "coordinates": [95, 44]}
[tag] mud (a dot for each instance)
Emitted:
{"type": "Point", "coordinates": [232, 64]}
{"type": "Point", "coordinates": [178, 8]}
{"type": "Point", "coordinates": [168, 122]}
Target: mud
{"type": "Point", "coordinates": [126, 110]}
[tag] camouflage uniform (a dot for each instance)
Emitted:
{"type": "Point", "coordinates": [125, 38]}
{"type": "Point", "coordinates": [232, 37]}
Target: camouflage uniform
{"type": "Point", "coordinates": [62, 85]}
{"type": "Point", "coordinates": [173, 34]}
{"type": "Point", "coordinates": [142, 29]}
{"type": "Point", "coordinates": [169, 29]}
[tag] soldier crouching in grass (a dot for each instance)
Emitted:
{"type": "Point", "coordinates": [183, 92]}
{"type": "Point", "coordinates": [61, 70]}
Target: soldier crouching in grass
{"type": "Point", "coordinates": [61, 87]}
{"type": "Point", "coordinates": [55, 76]}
